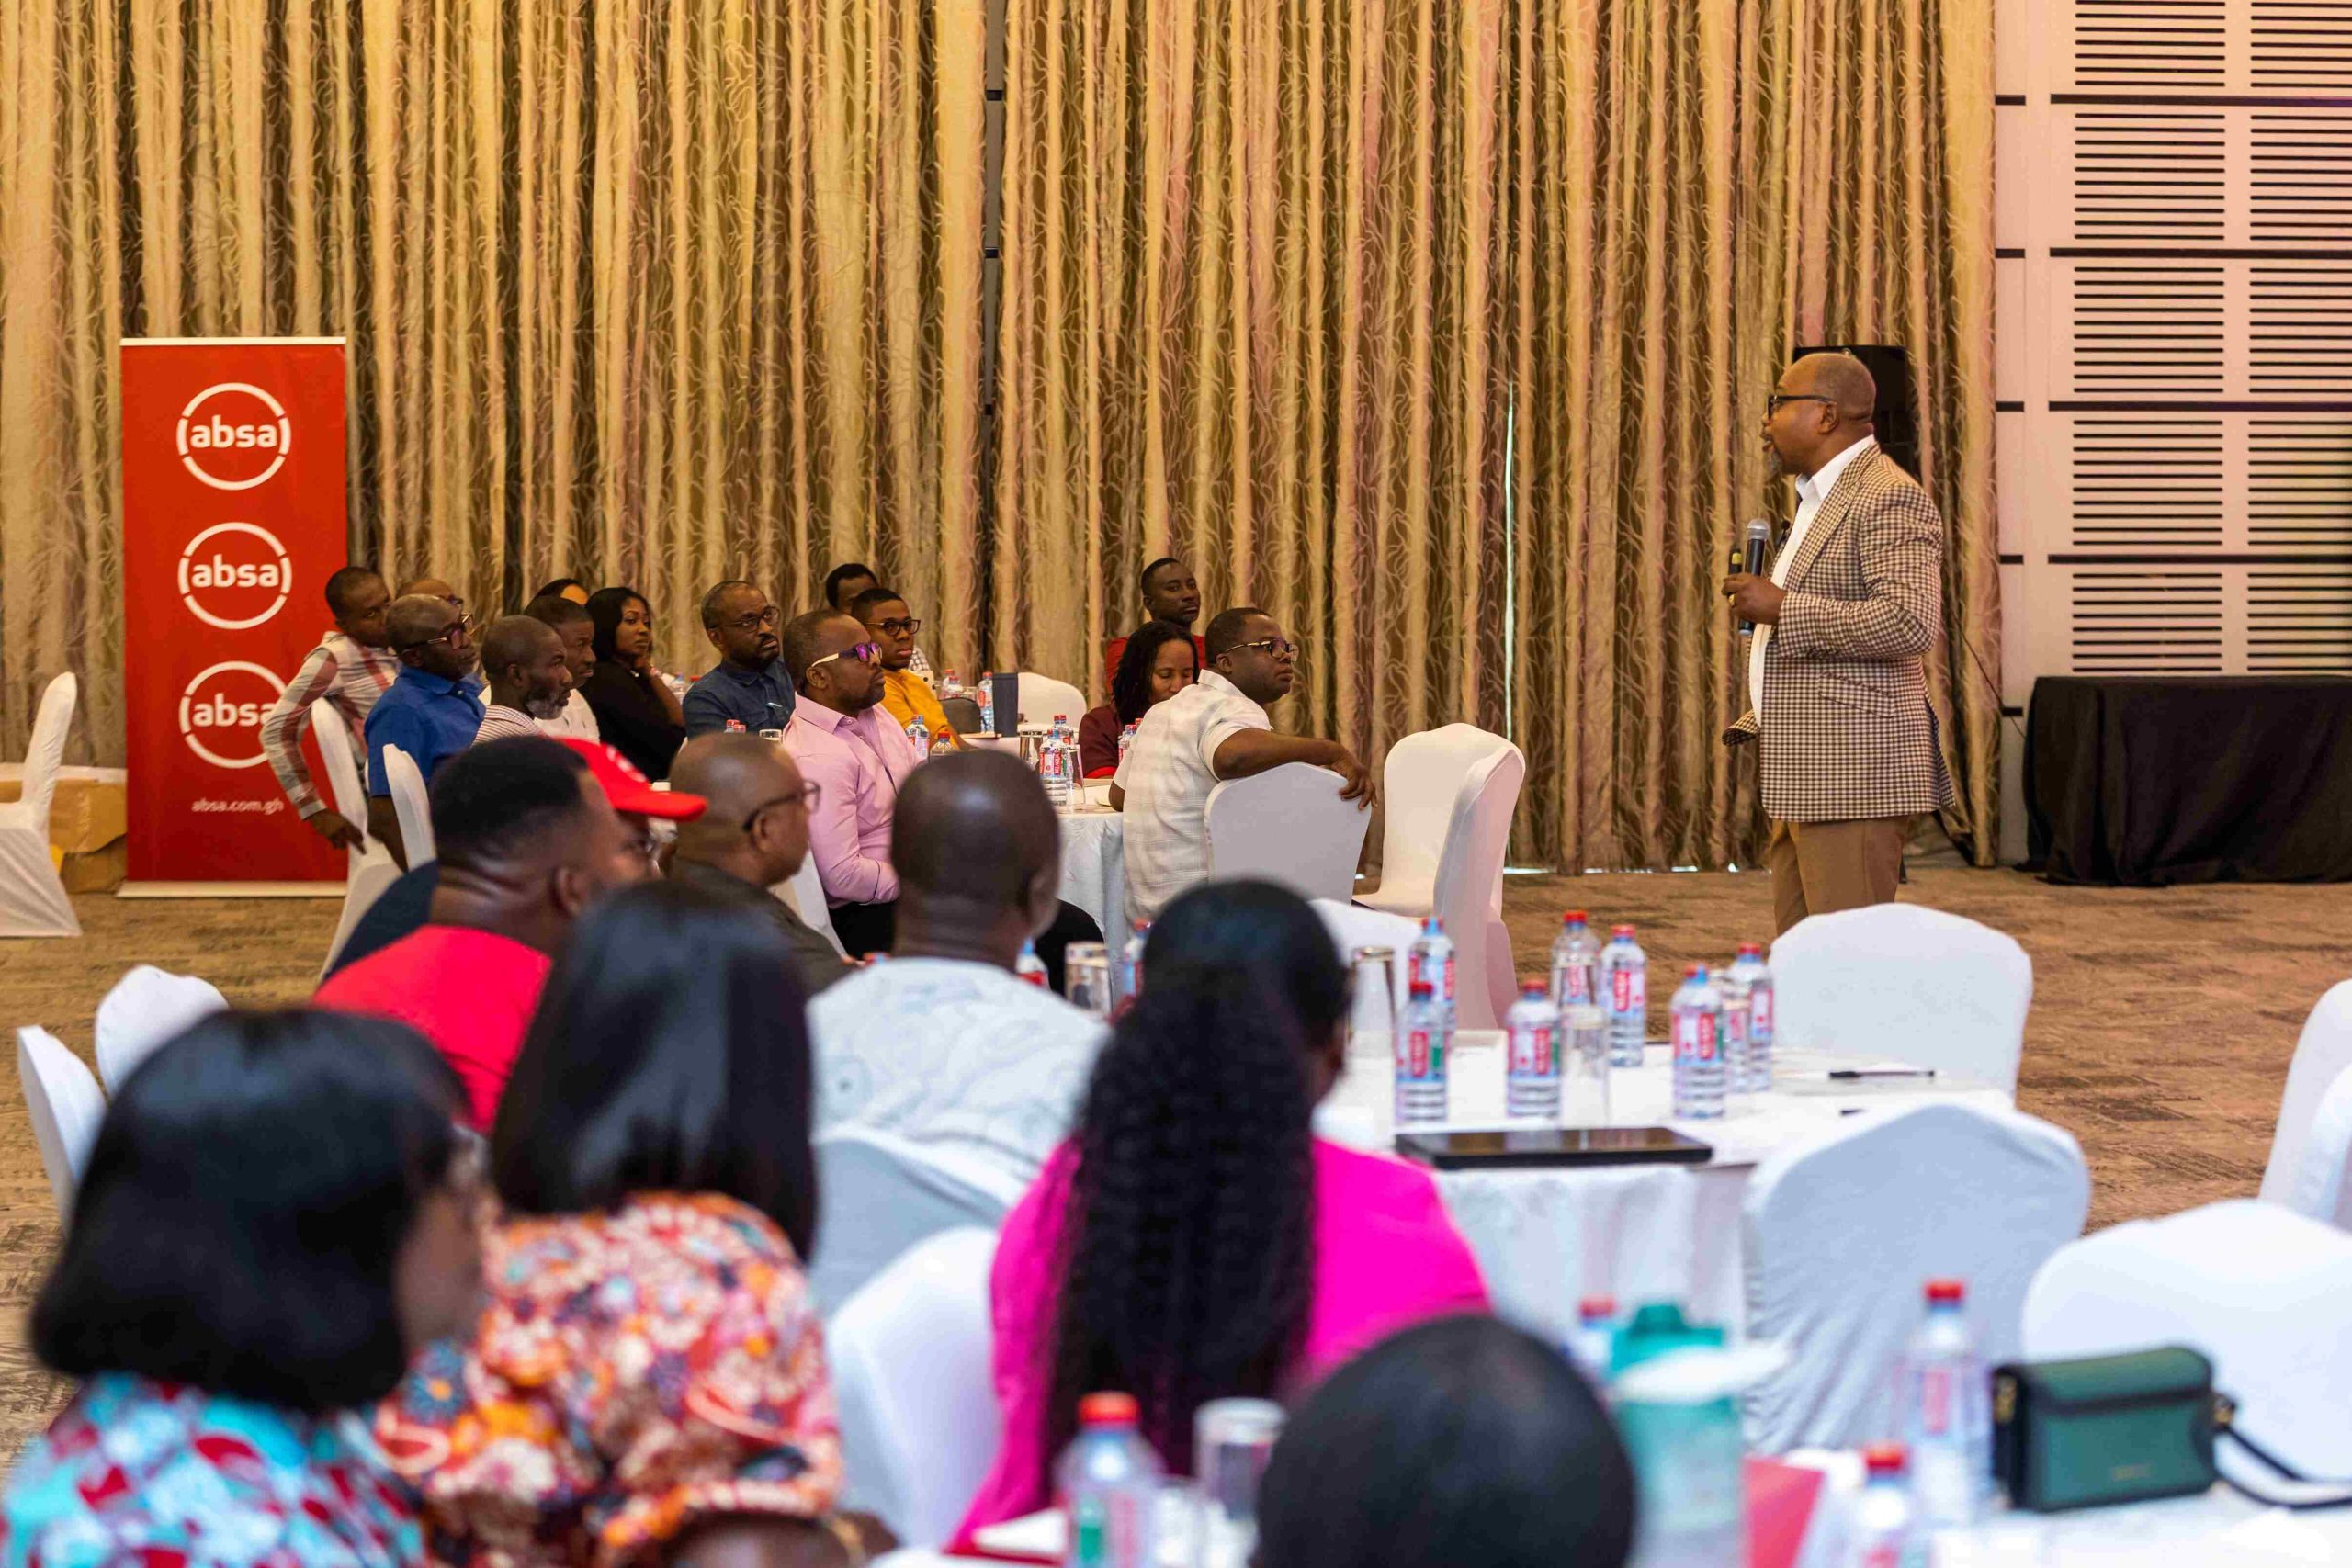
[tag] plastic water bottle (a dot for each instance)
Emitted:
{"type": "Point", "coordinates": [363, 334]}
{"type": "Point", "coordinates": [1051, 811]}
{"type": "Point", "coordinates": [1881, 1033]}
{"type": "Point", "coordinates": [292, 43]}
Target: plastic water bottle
{"type": "Point", "coordinates": [1029, 966]}
{"type": "Point", "coordinates": [1533, 1028]}
{"type": "Point", "coordinates": [1126, 973]}
{"type": "Point", "coordinates": [1882, 1532]}
{"type": "Point", "coordinates": [1432, 960]}
{"type": "Point", "coordinates": [1052, 770]}
{"type": "Point", "coordinates": [988, 705]}
{"type": "Point", "coordinates": [1947, 1411]}
{"type": "Point", "coordinates": [1595, 1334]}
{"type": "Point", "coordinates": [949, 686]}
{"type": "Point", "coordinates": [1423, 1042]}
{"type": "Point", "coordinates": [920, 733]}
{"type": "Point", "coordinates": [1126, 741]}
{"type": "Point", "coordinates": [1625, 996]}
{"type": "Point", "coordinates": [1756, 1062]}
{"type": "Point", "coordinates": [1108, 1479]}
{"type": "Point", "coordinates": [1731, 985]}
{"type": "Point", "coordinates": [1698, 1048]}
{"type": "Point", "coordinates": [1576, 961]}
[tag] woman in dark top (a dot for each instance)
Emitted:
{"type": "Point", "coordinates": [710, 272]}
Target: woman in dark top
{"type": "Point", "coordinates": [635, 709]}
{"type": "Point", "coordinates": [1160, 661]}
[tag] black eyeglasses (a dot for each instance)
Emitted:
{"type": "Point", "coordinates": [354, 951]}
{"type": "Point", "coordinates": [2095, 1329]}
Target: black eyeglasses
{"type": "Point", "coordinates": [907, 627]}
{"type": "Point", "coordinates": [758, 623]}
{"type": "Point", "coordinates": [808, 794]}
{"type": "Point", "coordinates": [1772, 404]}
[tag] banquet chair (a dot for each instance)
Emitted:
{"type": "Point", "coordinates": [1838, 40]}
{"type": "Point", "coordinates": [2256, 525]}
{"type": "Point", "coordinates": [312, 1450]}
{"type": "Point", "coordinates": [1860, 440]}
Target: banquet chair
{"type": "Point", "coordinates": [909, 1361]}
{"type": "Point", "coordinates": [1897, 980]}
{"type": "Point", "coordinates": [1287, 825]}
{"type": "Point", "coordinates": [2265, 1293]}
{"type": "Point", "coordinates": [1042, 697]}
{"type": "Point", "coordinates": [411, 805]}
{"type": "Point", "coordinates": [1842, 1230]}
{"type": "Point", "coordinates": [32, 895]}
{"type": "Point", "coordinates": [147, 1007]}
{"type": "Point", "coordinates": [65, 1106]}
{"type": "Point", "coordinates": [804, 891]}
{"type": "Point", "coordinates": [2321, 1054]}
{"type": "Point", "coordinates": [1353, 927]}
{"type": "Point", "coordinates": [368, 870]}
{"type": "Point", "coordinates": [2322, 1189]}
{"type": "Point", "coordinates": [1450, 794]}
{"type": "Point", "coordinates": [879, 1194]}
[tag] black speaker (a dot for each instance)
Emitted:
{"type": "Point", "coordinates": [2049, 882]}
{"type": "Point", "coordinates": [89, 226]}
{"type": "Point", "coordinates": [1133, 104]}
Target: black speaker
{"type": "Point", "coordinates": [1896, 418]}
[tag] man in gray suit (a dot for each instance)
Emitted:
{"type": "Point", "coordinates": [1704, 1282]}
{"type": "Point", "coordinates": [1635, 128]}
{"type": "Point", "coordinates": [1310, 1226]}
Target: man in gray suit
{"type": "Point", "coordinates": [1847, 745]}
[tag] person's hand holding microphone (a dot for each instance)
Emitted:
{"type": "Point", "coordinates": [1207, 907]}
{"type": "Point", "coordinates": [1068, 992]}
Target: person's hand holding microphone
{"type": "Point", "coordinates": [1753, 596]}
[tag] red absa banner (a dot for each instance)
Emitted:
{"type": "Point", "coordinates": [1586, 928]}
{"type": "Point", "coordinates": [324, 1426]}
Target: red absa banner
{"type": "Point", "coordinates": [233, 519]}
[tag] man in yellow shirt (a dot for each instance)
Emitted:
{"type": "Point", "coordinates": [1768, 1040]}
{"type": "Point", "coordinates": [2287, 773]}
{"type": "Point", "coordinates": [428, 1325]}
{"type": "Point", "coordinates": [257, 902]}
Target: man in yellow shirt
{"type": "Point", "coordinates": [906, 696]}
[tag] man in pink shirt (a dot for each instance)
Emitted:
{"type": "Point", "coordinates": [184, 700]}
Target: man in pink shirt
{"type": "Point", "coordinates": [856, 756]}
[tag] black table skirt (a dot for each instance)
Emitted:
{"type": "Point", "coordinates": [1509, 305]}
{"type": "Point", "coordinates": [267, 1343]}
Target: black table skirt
{"type": "Point", "coordinates": [2150, 782]}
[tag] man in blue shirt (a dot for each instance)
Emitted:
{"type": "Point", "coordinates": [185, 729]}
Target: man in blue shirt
{"type": "Point", "coordinates": [431, 712]}
{"type": "Point", "coordinates": [749, 688]}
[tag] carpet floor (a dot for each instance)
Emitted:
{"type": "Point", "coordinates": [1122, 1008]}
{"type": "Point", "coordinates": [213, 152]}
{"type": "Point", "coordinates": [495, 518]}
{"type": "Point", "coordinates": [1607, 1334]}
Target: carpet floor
{"type": "Point", "coordinates": [2161, 1026]}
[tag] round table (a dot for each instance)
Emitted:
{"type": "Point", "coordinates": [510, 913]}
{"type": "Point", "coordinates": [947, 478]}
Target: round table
{"type": "Point", "coordinates": [1545, 1237]}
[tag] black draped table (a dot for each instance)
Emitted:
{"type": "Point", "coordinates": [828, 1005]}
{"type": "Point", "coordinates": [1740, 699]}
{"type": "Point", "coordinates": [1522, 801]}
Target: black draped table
{"type": "Point", "coordinates": [2155, 781]}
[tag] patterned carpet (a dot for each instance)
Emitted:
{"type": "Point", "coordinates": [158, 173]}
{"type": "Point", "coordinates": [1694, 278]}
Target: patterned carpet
{"type": "Point", "coordinates": [2161, 1025]}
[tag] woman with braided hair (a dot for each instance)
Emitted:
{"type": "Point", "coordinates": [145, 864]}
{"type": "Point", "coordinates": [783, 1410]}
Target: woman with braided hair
{"type": "Point", "coordinates": [1194, 1239]}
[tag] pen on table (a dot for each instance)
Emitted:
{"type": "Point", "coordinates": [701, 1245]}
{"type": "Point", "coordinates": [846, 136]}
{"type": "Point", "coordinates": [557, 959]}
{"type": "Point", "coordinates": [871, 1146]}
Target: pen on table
{"type": "Point", "coordinates": [1848, 1074]}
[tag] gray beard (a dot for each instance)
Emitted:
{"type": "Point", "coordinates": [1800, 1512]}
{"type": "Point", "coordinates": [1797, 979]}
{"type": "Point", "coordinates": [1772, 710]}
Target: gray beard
{"type": "Point", "coordinates": [546, 707]}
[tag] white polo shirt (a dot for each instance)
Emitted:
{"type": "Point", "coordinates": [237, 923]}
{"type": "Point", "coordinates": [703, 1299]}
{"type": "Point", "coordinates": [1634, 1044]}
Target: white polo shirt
{"type": "Point", "coordinates": [1167, 777]}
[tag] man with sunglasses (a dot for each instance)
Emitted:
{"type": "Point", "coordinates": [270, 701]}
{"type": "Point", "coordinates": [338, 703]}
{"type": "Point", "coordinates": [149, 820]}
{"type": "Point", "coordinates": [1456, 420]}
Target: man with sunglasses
{"type": "Point", "coordinates": [748, 690]}
{"type": "Point", "coordinates": [432, 712]}
{"type": "Point", "coordinates": [753, 837]}
{"type": "Point", "coordinates": [1846, 744]}
{"type": "Point", "coordinates": [352, 666]}
{"type": "Point", "coordinates": [1212, 730]}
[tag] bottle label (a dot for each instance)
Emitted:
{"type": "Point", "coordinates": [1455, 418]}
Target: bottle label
{"type": "Point", "coordinates": [1531, 1053]}
{"type": "Point", "coordinates": [1629, 990]}
{"type": "Point", "coordinates": [1576, 985]}
{"type": "Point", "coordinates": [1418, 1056]}
{"type": "Point", "coordinates": [1694, 1036]}
{"type": "Point", "coordinates": [1760, 1013]}
{"type": "Point", "coordinates": [1448, 992]}
{"type": "Point", "coordinates": [1935, 1401]}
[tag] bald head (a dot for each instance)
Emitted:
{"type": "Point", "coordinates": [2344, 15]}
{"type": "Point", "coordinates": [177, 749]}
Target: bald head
{"type": "Point", "coordinates": [1823, 405]}
{"type": "Point", "coordinates": [431, 587]}
{"type": "Point", "coordinates": [415, 617]}
{"type": "Point", "coordinates": [974, 830]}
{"type": "Point", "coordinates": [1843, 377]}
{"type": "Point", "coordinates": [523, 661]}
{"type": "Point", "coordinates": [756, 828]}
{"type": "Point", "coordinates": [516, 640]}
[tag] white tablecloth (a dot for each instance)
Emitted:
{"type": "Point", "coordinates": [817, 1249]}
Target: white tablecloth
{"type": "Point", "coordinates": [1094, 868]}
{"type": "Point", "coordinates": [1545, 1237]}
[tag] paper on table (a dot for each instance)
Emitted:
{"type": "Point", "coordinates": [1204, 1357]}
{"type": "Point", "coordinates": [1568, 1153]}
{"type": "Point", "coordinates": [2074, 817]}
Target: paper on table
{"type": "Point", "coordinates": [1044, 1537]}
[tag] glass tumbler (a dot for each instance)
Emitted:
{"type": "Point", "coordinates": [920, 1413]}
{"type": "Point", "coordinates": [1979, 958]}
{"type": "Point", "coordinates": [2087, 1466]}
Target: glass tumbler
{"type": "Point", "coordinates": [1086, 977]}
{"type": "Point", "coordinates": [1232, 1440]}
{"type": "Point", "coordinates": [1371, 1006]}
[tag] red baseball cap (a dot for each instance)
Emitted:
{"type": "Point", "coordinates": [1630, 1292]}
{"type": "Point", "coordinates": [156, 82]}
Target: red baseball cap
{"type": "Point", "coordinates": [631, 791]}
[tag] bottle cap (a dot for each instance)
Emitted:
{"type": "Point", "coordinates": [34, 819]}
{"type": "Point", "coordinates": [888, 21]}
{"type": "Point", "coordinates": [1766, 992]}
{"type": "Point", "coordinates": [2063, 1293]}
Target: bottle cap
{"type": "Point", "coordinates": [1751, 950]}
{"type": "Point", "coordinates": [1621, 931]}
{"type": "Point", "coordinates": [1947, 1292]}
{"type": "Point", "coordinates": [1886, 1459]}
{"type": "Point", "coordinates": [1432, 924]}
{"type": "Point", "coordinates": [1421, 990]}
{"type": "Point", "coordinates": [1107, 1410]}
{"type": "Point", "coordinates": [1574, 918]}
{"type": "Point", "coordinates": [1597, 1306]}
{"type": "Point", "coordinates": [1695, 972]}
{"type": "Point", "coordinates": [1530, 986]}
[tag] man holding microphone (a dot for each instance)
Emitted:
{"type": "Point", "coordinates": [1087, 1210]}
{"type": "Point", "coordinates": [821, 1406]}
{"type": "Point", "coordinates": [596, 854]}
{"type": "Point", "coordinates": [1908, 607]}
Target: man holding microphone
{"type": "Point", "coordinates": [1836, 683]}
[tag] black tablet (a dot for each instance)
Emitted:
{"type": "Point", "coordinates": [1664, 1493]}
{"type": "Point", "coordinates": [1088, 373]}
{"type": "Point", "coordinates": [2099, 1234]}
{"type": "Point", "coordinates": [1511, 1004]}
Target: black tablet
{"type": "Point", "coordinates": [1507, 1146]}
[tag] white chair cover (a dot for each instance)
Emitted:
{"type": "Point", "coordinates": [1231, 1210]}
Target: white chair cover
{"type": "Point", "coordinates": [2265, 1293]}
{"type": "Point", "coordinates": [1918, 985]}
{"type": "Point", "coordinates": [32, 898]}
{"type": "Point", "coordinates": [1288, 825]}
{"type": "Point", "coordinates": [65, 1106]}
{"type": "Point", "coordinates": [1841, 1232]}
{"type": "Point", "coordinates": [2321, 1190]}
{"type": "Point", "coordinates": [1042, 697]}
{"type": "Point", "coordinates": [1460, 787]}
{"type": "Point", "coordinates": [368, 871]}
{"type": "Point", "coordinates": [2322, 1055]}
{"type": "Point", "coordinates": [146, 1008]}
{"type": "Point", "coordinates": [909, 1361]}
{"type": "Point", "coordinates": [1353, 927]}
{"type": "Point", "coordinates": [879, 1194]}
{"type": "Point", "coordinates": [411, 805]}
{"type": "Point", "coordinates": [806, 892]}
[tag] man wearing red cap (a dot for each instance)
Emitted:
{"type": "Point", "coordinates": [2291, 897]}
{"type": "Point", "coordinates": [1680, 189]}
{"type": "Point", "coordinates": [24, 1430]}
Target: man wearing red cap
{"type": "Point", "coordinates": [531, 833]}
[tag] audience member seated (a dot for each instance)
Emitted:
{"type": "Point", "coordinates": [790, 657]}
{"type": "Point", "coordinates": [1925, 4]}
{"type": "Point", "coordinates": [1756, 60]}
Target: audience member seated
{"type": "Point", "coordinates": [1161, 660]}
{"type": "Point", "coordinates": [352, 666]}
{"type": "Point", "coordinates": [577, 631]}
{"type": "Point", "coordinates": [647, 1383]}
{"type": "Point", "coordinates": [569, 589]}
{"type": "Point", "coordinates": [906, 696]}
{"type": "Point", "coordinates": [943, 1044]}
{"type": "Point", "coordinates": [849, 749]}
{"type": "Point", "coordinates": [528, 842]}
{"type": "Point", "coordinates": [1212, 730]}
{"type": "Point", "coordinates": [431, 711]}
{"type": "Point", "coordinates": [753, 836]}
{"type": "Point", "coordinates": [747, 689]}
{"type": "Point", "coordinates": [529, 678]}
{"type": "Point", "coordinates": [277, 1213]}
{"type": "Point", "coordinates": [635, 709]}
{"type": "Point", "coordinates": [1194, 1239]}
{"type": "Point", "coordinates": [1464, 1443]}
{"type": "Point", "coordinates": [844, 583]}
{"type": "Point", "coordinates": [1172, 596]}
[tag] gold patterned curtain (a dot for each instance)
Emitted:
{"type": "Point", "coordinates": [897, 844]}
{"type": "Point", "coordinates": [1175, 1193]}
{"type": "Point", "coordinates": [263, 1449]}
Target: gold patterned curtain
{"type": "Point", "coordinates": [653, 291]}
{"type": "Point", "coordinates": [1442, 328]}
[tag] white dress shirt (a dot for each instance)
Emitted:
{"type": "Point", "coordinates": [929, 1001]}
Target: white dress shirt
{"type": "Point", "coordinates": [1166, 779]}
{"type": "Point", "coordinates": [942, 1051]}
{"type": "Point", "coordinates": [1811, 492]}
{"type": "Point", "coordinates": [576, 722]}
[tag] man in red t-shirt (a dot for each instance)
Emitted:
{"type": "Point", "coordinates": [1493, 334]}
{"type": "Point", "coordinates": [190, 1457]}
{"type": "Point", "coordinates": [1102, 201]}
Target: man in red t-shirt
{"type": "Point", "coordinates": [529, 835]}
{"type": "Point", "coordinates": [1170, 593]}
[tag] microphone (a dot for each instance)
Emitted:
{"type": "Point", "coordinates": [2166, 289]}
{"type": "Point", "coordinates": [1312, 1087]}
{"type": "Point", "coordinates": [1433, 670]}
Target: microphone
{"type": "Point", "coordinates": [1759, 544]}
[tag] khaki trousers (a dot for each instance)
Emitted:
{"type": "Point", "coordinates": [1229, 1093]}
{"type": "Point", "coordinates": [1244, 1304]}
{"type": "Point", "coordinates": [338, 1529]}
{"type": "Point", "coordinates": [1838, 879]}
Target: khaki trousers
{"type": "Point", "coordinates": [1821, 867]}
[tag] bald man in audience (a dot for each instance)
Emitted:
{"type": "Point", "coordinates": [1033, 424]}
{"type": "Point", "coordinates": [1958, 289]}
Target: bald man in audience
{"type": "Point", "coordinates": [943, 1044]}
{"type": "Point", "coordinates": [752, 837]}
{"type": "Point", "coordinates": [530, 680]}
{"type": "Point", "coordinates": [432, 712]}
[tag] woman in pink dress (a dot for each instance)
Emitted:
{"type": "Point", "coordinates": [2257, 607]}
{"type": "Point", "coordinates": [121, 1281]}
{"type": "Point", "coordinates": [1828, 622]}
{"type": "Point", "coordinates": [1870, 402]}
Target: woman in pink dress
{"type": "Point", "coordinates": [1194, 1239]}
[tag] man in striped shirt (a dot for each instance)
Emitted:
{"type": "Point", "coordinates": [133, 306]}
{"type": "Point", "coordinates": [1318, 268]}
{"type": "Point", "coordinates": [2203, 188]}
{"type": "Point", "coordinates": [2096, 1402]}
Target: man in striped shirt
{"type": "Point", "coordinates": [529, 679]}
{"type": "Point", "coordinates": [350, 668]}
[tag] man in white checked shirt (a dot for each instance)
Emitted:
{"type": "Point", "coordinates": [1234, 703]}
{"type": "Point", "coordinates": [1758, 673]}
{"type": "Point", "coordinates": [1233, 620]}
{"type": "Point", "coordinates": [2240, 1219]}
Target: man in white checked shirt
{"type": "Point", "coordinates": [350, 668]}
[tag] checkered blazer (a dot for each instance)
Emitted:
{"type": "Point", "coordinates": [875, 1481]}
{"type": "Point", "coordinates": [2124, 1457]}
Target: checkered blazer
{"type": "Point", "coordinates": [1845, 730]}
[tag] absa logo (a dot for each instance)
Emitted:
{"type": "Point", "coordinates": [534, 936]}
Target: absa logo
{"type": "Point", "coordinates": [234, 435]}
{"type": "Point", "coordinates": [223, 708]}
{"type": "Point", "coordinates": [241, 572]}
